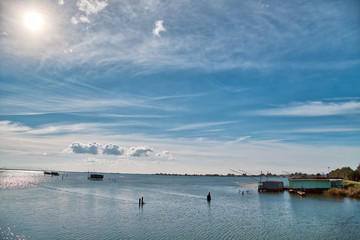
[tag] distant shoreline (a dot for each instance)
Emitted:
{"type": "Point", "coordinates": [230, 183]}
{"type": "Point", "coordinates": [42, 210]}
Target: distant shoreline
{"type": "Point", "coordinates": [157, 174]}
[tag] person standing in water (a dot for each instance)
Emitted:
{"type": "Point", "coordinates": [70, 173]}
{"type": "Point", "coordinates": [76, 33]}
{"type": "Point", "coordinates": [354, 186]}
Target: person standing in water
{"type": "Point", "coordinates": [209, 197]}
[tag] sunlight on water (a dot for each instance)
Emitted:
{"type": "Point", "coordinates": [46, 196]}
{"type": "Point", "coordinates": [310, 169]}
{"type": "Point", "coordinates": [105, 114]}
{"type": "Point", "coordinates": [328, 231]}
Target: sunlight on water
{"type": "Point", "coordinates": [9, 234]}
{"type": "Point", "coordinates": [13, 179]}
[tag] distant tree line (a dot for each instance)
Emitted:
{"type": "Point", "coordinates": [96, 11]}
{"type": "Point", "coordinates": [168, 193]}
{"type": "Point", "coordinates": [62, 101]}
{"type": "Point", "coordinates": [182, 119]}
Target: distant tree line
{"type": "Point", "coordinates": [346, 173]}
{"type": "Point", "coordinates": [305, 175]}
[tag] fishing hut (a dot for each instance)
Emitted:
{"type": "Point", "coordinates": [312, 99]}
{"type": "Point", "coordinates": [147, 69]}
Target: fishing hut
{"type": "Point", "coordinates": [271, 186]}
{"type": "Point", "coordinates": [315, 185]}
{"type": "Point", "coordinates": [263, 186]}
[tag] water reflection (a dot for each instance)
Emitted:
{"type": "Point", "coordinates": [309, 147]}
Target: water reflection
{"type": "Point", "coordinates": [10, 233]}
{"type": "Point", "coordinates": [14, 179]}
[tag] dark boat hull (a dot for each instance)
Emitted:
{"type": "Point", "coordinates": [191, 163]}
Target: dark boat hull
{"type": "Point", "coordinates": [97, 177]}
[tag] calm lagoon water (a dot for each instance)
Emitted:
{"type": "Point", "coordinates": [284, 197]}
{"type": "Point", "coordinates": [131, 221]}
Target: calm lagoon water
{"type": "Point", "coordinates": [38, 206]}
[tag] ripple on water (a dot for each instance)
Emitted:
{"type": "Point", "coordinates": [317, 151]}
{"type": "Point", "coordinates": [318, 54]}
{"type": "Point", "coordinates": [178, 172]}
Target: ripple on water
{"type": "Point", "coordinates": [10, 233]}
{"type": "Point", "coordinates": [176, 208]}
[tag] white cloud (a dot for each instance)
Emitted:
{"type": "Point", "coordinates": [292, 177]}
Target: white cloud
{"type": "Point", "coordinates": [88, 7]}
{"type": "Point", "coordinates": [139, 151]}
{"type": "Point", "coordinates": [84, 19]}
{"type": "Point", "coordinates": [90, 148]}
{"type": "Point", "coordinates": [74, 20]}
{"type": "Point", "coordinates": [91, 6]}
{"type": "Point", "coordinates": [19, 148]}
{"type": "Point", "coordinates": [68, 50]}
{"type": "Point", "coordinates": [61, 2]}
{"type": "Point", "coordinates": [165, 154]}
{"type": "Point", "coordinates": [314, 109]}
{"type": "Point", "coordinates": [111, 149]}
{"type": "Point", "coordinates": [159, 27]}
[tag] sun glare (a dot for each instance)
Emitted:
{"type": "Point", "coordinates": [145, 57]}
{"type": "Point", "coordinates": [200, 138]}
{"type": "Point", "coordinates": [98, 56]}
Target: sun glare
{"type": "Point", "coordinates": [33, 21]}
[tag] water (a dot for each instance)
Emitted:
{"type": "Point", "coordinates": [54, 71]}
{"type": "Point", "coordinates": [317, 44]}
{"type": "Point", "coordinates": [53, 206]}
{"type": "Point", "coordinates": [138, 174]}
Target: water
{"type": "Point", "coordinates": [38, 206]}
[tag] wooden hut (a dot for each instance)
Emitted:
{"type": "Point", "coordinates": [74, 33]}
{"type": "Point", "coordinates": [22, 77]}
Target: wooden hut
{"type": "Point", "coordinates": [271, 186]}
{"type": "Point", "coordinates": [314, 185]}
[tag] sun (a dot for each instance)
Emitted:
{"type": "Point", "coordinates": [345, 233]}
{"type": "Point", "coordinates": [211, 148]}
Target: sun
{"type": "Point", "coordinates": [33, 21]}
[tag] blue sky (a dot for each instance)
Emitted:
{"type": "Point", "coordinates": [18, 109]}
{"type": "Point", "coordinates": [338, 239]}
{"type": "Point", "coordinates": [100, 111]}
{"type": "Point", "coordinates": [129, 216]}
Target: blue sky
{"type": "Point", "coordinates": [180, 86]}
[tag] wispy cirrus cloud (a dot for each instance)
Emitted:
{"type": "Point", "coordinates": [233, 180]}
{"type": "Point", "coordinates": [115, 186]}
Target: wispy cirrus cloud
{"type": "Point", "coordinates": [8, 126]}
{"type": "Point", "coordinates": [62, 128]}
{"type": "Point", "coordinates": [313, 109]}
{"type": "Point", "coordinates": [199, 125]}
{"type": "Point", "coordinates": [88, 7]}
{"type": "Point", "coordinates": [15, 105]}
{"type": "Point", "coordinates": [189, 96]}
{"type": "Point", "coordinates": [241, 139]}
{"type": "Point", "coordinates": [313, 130]}
{"type": "Point", "coordinates": [112, 115]}
{"type": "Point", "coordinates": [91, 6]}
{"type": "Point", "coordinates": [322, 130]}
{"type": "Point", "coordinates": [250, 36]}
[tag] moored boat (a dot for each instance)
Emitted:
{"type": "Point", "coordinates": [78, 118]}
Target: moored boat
{"type": "Point", "coordinates": [96, 177]}
{"type": "Point", "coordinates": [51, 173]}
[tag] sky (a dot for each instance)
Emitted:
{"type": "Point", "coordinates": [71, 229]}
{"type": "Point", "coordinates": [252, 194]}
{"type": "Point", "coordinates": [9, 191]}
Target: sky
{"type": "Point", "coordinates": [158, 86]}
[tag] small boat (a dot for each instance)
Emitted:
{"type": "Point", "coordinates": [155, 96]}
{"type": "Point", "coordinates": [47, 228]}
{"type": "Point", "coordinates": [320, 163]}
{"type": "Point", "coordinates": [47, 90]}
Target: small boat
{"type": "Point", "coordinates": [301, 193]}
{"type": "Point", "coordinates": [96, 177]}
{"type": "Point", "coordinates": [292, 191]}
{"type": "Point", "coordinates": [51, 173]}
